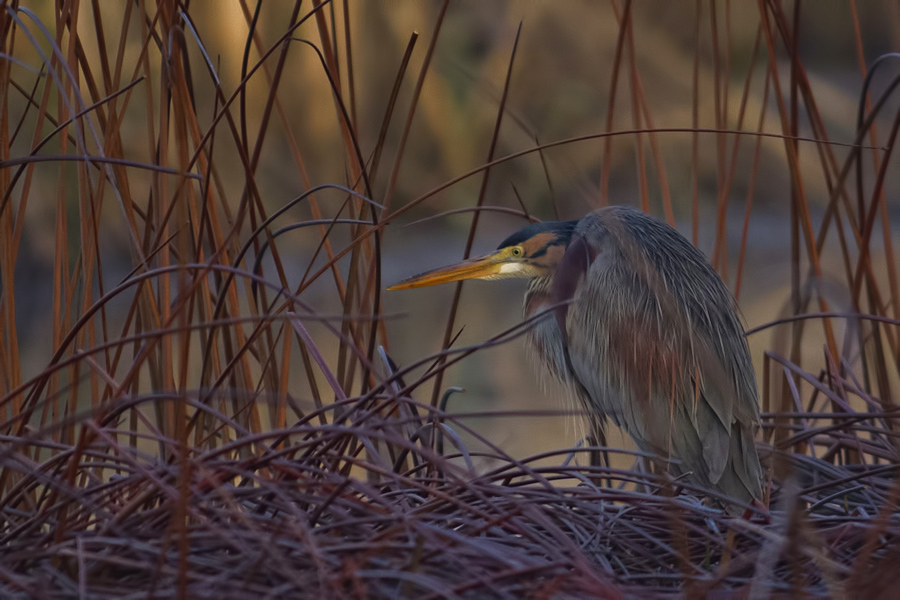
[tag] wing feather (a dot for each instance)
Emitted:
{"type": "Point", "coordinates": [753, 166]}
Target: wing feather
{"type": "Point", "coordinates": [642, 340]}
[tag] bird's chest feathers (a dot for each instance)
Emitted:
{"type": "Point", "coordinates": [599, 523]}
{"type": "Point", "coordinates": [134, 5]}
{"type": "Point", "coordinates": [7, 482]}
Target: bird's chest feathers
{"type": "Point", "coordinates": [623, 356]}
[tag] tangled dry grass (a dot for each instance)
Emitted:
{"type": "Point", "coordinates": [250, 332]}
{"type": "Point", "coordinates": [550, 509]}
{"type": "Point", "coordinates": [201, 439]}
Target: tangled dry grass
{"type": "Point", "coordinates": [357, 507]}
{"type": "Point", "coordinates": [203, 426]}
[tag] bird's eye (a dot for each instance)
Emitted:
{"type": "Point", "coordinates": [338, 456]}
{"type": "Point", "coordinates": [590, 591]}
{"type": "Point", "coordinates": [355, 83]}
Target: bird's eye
{"type": "Point", "coordinates": [517, 251]}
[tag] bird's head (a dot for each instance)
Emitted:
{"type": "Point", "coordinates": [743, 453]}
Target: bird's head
{"type": "Point", "coordinates": [529, 253]}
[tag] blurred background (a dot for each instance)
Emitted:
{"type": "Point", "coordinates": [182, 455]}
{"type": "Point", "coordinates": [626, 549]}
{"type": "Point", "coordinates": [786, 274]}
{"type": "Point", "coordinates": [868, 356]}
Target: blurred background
{"type": "Point", "coordinates": [692, 71]}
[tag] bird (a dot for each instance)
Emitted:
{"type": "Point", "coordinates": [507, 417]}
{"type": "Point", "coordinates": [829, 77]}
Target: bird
{"type": "Point", "coordinates": [634, 320]}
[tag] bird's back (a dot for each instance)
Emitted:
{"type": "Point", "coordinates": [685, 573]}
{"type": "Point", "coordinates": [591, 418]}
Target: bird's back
{"type": "Point", "coordinates": [653, 342]}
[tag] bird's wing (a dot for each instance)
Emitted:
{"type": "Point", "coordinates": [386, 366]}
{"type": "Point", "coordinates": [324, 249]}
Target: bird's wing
{"type": "Point", "coordinates": [646, 347]}
{"type": "Point", "coordinates": [637, 371]}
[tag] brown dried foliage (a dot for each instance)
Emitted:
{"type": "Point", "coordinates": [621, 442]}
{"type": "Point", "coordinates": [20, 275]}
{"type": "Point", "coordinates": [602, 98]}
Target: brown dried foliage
{"type": "Point", "coordinates": [173, 443]}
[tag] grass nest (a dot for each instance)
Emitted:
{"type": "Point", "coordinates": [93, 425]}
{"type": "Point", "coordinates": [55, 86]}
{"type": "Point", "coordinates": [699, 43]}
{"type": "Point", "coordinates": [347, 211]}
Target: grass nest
{"type": "Point", "coordinates": [356, 507]}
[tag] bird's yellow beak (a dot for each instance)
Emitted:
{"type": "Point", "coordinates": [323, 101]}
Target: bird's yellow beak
{"type": "Point", "coordinates": [492, 266]}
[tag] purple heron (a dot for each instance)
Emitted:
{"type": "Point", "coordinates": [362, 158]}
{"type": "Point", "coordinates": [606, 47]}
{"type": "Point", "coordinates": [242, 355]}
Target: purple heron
{"type": "Point", "coordinates": [644, 332]}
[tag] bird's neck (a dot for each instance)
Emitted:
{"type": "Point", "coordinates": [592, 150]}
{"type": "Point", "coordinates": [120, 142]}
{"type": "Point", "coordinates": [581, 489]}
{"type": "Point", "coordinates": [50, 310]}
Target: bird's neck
{"type": "Point", "coordinates": [539, 295]}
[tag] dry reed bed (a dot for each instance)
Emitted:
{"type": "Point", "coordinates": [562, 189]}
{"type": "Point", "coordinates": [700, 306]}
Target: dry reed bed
{"type": "Point", "coordinates": [199, 427]}
{"type": "Point", "coordinates": [301, 511]}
